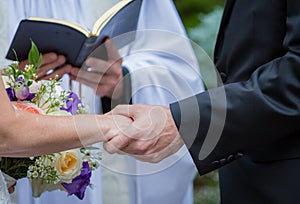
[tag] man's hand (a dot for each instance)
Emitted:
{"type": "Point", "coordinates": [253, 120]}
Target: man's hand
{"type": "Point", "coordinates": [52, 64]}
{"type": "Point", "coordinates": [152, 136]}
{"type": "Point", "coordinates": [105, 77]}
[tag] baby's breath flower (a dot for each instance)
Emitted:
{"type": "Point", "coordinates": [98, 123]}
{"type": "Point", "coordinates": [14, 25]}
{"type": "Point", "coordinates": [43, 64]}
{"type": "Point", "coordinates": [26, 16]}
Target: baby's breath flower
{"type": "Point", "coordinates": [35, 174]}
{"type": "Point", "coordinates": [15, 63]}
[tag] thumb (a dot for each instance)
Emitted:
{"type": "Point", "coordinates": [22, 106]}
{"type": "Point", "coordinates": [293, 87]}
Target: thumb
{"type": "Point", "coordinates": [112, 51]}
{"type": "Point", "coordinates": [125, 110]}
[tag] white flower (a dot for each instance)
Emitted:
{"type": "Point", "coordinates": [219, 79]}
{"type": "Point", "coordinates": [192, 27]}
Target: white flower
{"type": "Point", "coordinates": [58, 90]}
{"type": "Point", "coordinates": [51, 96]}
{"type": "Point", "coordinates": [68, 165]}
{"type": "Point", "coordinates": [44, 102]}
{"type": "Point", "coordinates": [34, 87]}
{"type": "Point", "coordinates": [60, 113]}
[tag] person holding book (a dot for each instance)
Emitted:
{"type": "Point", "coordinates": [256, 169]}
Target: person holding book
{"type": "Point", "coordinates": [147, 186]}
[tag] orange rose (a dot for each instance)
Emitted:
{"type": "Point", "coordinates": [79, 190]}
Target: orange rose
{"type": "Point", "coordinates": [27, 106]}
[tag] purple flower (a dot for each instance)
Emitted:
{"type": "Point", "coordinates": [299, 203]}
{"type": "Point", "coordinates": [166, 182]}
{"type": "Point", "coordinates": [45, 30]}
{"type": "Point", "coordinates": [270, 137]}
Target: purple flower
{"type": "Point", "coordinates": [30, 97]}
{"type": "Point", "coordinates": [11, 94]}
{"type": "Point", "coordinates": [21, 95]}
{"type": "Point", "coordinates": [21, 79]}
{"type": "Point", "coordinates": [21, 91]}
{"type": "Point", "coordinates": [72, 105]}
{"type": "Point", "coordinates": [79, 183]}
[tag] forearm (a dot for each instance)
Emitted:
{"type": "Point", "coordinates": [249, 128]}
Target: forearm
{"type": "Point", "coordinates": [25, 134]}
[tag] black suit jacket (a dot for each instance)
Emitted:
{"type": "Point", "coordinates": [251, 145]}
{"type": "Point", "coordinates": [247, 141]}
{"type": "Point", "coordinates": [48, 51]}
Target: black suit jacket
{"type": "Point", "coordinates": [254, 122]}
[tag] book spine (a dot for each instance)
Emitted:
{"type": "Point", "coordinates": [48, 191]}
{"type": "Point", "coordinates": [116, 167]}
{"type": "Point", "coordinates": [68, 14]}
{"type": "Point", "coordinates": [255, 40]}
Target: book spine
{"type": "Point", "coordinates": [86, 49]}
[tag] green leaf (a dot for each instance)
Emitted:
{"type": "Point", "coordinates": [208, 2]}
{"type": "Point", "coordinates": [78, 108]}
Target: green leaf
{"type": "Point", "coordinates": [39, 63]}
{"type": "Point", "coordinates": [15, 53]}
{"type": "Point", "coordinates": [26, 78]}
{"type": "Point", "coordinates": [34, 56]}
{"type": "Point", "coordinates": [91, 148]}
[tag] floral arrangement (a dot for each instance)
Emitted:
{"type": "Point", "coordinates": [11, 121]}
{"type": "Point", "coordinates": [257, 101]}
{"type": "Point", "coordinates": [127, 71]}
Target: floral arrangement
{"type": "Point", "coordinates": [69, 170]}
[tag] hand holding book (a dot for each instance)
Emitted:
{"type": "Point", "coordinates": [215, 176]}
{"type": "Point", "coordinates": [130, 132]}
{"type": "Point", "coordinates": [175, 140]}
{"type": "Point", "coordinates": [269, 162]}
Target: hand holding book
{"type": "Point", "coordinates": [104, 76]}
{"type": "Point", "coordinates": [52, 65]}
{"type": "Point", "coordinates": [71, 40]}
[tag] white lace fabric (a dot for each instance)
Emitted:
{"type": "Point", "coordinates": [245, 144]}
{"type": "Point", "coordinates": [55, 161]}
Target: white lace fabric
{"type": "Point", "coordinates": [4, 195]}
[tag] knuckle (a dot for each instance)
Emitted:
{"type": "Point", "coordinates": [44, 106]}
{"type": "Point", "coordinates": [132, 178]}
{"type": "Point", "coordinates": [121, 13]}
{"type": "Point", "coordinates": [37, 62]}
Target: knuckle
{"type": "Point", "coordinates": [109, 148]}
{"type": "Point", "coordinates": [155, 158]}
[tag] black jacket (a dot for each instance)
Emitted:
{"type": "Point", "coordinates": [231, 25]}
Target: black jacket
{"type": "Point", "coordinates": [251, 126]}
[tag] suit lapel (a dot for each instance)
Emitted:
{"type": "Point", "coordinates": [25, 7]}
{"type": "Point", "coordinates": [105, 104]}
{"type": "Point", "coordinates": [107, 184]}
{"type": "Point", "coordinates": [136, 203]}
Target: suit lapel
{"type": "Point", "coordinates": [226, 13]}
{"type": "Point", "coordinates": [224, 21]}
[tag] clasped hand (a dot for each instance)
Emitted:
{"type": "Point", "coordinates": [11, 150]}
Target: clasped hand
{"type": "Point", "coordinates": [150, 135]}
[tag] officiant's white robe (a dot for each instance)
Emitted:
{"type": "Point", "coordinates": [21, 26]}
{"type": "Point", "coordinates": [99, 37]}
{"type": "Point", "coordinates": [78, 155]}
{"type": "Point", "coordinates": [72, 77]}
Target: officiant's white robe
{"type": "Point", "coordinates": [163, 69]}
{"type": "Point", "coordinates": [156, 79]}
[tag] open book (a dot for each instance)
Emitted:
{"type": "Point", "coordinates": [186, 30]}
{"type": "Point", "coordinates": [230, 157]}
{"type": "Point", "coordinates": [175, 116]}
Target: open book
{"type": "Point", "coordinates": [73, 40]}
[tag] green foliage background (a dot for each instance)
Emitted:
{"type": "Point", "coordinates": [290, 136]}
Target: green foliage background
{"type": "Point", "coordinates": [189, 10]}
{"type": "Point", "coordinates": [201, 19]}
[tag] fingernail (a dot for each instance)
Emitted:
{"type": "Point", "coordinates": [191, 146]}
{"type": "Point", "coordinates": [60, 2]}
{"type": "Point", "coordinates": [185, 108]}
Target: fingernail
{"type": "Point", "coordinates": [62, 59]}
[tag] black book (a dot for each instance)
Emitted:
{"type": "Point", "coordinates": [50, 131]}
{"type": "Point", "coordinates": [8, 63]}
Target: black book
{"type": "Point", "coordinates": [72, 40]}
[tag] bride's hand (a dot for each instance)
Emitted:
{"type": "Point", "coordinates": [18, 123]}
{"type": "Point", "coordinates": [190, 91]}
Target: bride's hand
{"type": "Point", "coordinates": [10, 182]}
{"type": "Point", "coordinates": [11, 189]}
{"type": "Point", "coordinates": [113, 125]}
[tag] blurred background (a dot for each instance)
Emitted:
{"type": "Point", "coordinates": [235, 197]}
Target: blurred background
{"type": "Point", "coordinates": [201, 19]}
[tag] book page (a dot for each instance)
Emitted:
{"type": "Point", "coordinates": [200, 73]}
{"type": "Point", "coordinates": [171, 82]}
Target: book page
{"type": "Point", "coordinates": [75, 26]}
{"type": "Point", "coordinates": [104, 19]}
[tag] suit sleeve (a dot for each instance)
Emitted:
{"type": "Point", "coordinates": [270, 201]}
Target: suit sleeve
{"type": "Point", "coordinates": [237, 119]}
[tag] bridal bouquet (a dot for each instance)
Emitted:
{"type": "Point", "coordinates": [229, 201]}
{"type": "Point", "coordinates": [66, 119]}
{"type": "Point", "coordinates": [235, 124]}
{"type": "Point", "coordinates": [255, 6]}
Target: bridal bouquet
{"type": "Point", "coordinates": [69, 170]}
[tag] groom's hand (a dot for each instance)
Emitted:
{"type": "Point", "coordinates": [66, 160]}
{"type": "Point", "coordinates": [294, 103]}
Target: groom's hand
{"type": "Point", "coordinates": [152, 136]}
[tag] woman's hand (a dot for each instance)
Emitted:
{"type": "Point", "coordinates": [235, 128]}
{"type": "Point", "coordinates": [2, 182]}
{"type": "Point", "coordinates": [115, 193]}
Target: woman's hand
{"type": "Point", "coordinates": [11, 189]}
{"type": "Point", "coordinates": [10, 182]}
{"type": "Point", "coordinates": [112, 126]}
